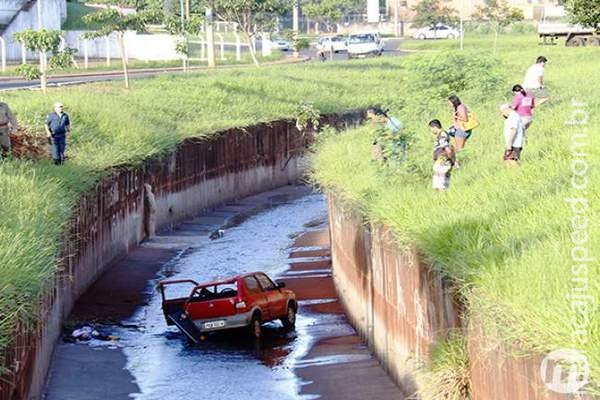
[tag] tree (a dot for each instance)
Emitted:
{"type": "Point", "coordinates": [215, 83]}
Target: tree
{"type": "Point", "coordinates": [431, 13]}
{"type": "Point", "coordinates": [189, 26]}
{"type": "Point", "coordinates": [297, 42]}
{"type": "Point", "coordinates": [251, 16]}
{"type": "Point", "coordinates": [328, 12]}
{"type": "Point", "coordinates": [113, 21]}
{"type": "Point", "coordinates": [584, 12]}
{"type": "Point", "coordinates": [42, 41]}
{"type": "Point", "coordinates": [499, 14]}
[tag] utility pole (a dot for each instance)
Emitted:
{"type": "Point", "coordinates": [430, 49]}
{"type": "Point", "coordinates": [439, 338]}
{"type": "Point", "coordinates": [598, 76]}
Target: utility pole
{"type": "Point", "coordinates": [182, 15]}
{"type": "Point", "coordinates": [39, 14]}
{"type": "Point", "coordinates": [296, 17]}
{"type": "Point", "coordinates": [396, 27]}
{"type": "Point", "coordinates": [210, 38]}
{"type": "Point", "coordinates": [462, 27]}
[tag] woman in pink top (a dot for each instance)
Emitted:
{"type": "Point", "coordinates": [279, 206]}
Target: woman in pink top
{"type": "Point", "coordinates": [523, 103]}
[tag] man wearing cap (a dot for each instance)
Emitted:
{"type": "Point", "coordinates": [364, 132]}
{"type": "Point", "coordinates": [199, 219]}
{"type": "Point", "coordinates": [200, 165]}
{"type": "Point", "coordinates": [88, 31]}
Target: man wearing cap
{"type": "Point", "coordinates": [8, 123]}
{"type": "Point", "coordinates": [58, 126]}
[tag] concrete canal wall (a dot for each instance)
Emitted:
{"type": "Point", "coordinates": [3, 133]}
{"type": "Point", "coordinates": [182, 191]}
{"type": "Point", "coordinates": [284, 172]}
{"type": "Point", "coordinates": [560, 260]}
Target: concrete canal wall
{"type": "Point", "coordinates": [401, 307]}
{"type": "Point", "coordinates": [199, 174]}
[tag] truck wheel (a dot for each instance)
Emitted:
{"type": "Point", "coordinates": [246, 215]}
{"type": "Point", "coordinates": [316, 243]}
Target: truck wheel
{"type": "Point", "coordinates": [422, 36]}
{"type": "Point", "coordinates": [576, 42]}
{"type": "Point", "coordinates": [255, 327]}
{"type": "Point", "coordinates": [593, 41]}
{"type": "Point", "coordinates": [289, 321]}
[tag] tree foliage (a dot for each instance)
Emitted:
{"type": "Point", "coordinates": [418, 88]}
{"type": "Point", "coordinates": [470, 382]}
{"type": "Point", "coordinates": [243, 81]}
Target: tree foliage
{"type": "Point", "coordinates": [251, 16]}
{"type": "Point", "coordinates": [42, 40]}
{"type": "Point", "coordinates": [190, 26]}
{"type": "Point", "coordinates": [331, 11]}
{"type": "Point", "coordinates": [431, 13]}
{"type": "Point", "coordinates": [111, 21]}
{"type": "Point", "coordinates": [498, 12]}
{"type": "Point", "coordinates": [584, 12]}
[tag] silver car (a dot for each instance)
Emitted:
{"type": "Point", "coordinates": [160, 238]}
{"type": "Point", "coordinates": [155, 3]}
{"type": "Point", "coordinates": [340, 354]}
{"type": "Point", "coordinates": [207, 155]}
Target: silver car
{"type": "Point", "coordinates": [436, 32]}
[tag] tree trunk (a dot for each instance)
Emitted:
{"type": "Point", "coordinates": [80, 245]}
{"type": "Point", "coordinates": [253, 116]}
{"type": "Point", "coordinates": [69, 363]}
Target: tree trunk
{"type": "Point", "coordinates": [43, 70]}
{"type": "Point", "coordinates": [251, 48]}
{"type": "Point", "coordinates": [496, 38]}
{"type": "Point", "coordinates": [124, 59]}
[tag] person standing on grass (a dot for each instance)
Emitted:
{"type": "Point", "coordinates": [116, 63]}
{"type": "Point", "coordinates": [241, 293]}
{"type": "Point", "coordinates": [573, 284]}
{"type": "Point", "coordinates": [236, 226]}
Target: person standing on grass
{"type": "Point", "coordinates": [8, 124]}
{"type": "Point", "coordinates": [460, 117]}
{"type": "Point", "coordinates": [388, 130]}
{"type": "Point", "coordinates": [443, 156]}
{"type": "Point", "coordinates": [523, 103]}
{"type": "Point", "coordinates": [514, 134]}
{"type": "Point", "coordinates": [534, 80]}
{"type": "Point", "coordinates": [58, 126]}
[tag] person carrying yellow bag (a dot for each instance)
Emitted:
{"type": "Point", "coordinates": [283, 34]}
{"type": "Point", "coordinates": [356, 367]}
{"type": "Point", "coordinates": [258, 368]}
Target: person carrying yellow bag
{"type": "Point", "coordinates": [464, 123]}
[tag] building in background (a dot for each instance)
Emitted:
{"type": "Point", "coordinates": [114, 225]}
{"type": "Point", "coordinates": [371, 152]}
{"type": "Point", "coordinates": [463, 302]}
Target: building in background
{"type": "Point", "coordinates": [532, 9]}
{"type": "Point", "coordinates": [18, 15]}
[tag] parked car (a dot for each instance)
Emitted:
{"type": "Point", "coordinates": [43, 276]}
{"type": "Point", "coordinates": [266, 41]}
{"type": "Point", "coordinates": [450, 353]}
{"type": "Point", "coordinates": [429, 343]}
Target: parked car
{"type": "Point", "coordinates": [436, 32]}
{"type": "Point", "coordinates": [327, 43]}
{"type": "Point", "coordinates": [364, 44]}
{"type": "Point", "coordinates": [280, 44]}
{"type": "Point", "coordinates": [244, 301]}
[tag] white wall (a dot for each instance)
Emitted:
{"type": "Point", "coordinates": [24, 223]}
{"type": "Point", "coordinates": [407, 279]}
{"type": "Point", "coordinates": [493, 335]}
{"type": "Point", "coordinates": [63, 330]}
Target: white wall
{"type": "Point", "coordinates": [53, 13]}
{"type": "Point", "coordinates": [138, 46]}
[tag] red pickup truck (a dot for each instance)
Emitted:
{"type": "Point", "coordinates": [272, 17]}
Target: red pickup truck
{"type": "Point", "coordinates": [244, 301]}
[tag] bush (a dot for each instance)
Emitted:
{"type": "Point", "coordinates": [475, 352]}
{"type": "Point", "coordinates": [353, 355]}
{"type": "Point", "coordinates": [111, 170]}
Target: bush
{"type": "Point", "coordinates": [443, 74]}
{"type": "Point", "coordinates": [29, 72]}
{"type": "Point", "coordinates": [62, 59]}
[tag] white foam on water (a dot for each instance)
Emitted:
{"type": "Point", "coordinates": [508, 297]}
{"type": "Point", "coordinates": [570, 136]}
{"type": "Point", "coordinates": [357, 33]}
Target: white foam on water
{"type": "Point", "coordinates": [166, 367]}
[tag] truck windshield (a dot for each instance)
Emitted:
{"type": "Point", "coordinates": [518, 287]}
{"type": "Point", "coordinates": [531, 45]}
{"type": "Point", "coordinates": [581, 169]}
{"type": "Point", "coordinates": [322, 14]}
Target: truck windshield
{"type": "Point", "coordinates": [362, 38]}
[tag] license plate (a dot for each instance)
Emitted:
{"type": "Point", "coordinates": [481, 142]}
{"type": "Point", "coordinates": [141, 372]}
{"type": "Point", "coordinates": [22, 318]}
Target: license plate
{"type": "Point", "coordinates": [214, 324]}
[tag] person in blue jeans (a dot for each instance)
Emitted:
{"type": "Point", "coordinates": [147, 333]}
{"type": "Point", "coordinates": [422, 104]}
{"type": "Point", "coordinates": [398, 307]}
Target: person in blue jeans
{"type": "Point", "coordinates": [58, 126]}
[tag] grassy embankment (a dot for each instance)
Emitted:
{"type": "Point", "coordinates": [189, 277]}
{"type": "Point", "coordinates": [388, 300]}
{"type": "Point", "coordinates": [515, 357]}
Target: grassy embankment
{"type": "Point", "coordinates": [503, 235]}
{"type": "Point", "coordinates": [113, 126]}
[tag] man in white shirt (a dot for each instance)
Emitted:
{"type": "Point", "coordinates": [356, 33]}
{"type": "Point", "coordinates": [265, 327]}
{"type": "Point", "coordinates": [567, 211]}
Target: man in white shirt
{"type": "Point", "coordinates": [534, 80]}
{"type": "Point", "coordinates": [514, 134]}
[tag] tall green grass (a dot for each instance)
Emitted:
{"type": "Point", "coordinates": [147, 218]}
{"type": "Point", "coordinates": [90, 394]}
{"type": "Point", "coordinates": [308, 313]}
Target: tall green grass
{"type": "Point", "coordinates": [114, 126]}
{"type": "Point", "coordinates": [502, 234]}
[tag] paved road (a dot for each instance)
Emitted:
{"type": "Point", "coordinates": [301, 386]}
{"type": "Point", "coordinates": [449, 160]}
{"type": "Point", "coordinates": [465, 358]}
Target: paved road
{"type": "Point", "coordinates": [390, 50]}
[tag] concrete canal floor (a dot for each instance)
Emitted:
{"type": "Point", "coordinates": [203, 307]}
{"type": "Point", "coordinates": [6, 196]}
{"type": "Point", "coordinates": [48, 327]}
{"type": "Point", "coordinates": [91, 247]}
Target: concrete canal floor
{"type": "Point", "coordinates": [282, 232]}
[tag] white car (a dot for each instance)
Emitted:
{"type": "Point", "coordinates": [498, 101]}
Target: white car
{"type": "Point", "coordinates": [335, 43]}
{"type": "Point", "coordinates": [280, 44]}
{"type": "Point", "coordinates": [364, 44]}
{"type": "Point", "coordinates": [436, 32]}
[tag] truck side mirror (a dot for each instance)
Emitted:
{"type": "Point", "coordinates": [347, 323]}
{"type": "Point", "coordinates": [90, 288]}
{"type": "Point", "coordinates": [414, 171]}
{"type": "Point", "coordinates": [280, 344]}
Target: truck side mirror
{"type": "Point", "coordinates": [280, 284]}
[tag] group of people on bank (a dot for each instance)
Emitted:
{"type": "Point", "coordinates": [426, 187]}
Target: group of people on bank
{"type": "Point", "coordinates": [449, 142]}
{"type": "Point", "coordinates": [57, 126]}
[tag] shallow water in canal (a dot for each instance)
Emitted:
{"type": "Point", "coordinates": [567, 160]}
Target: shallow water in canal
{"type": "Point", "coordinates": [228, 365]}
